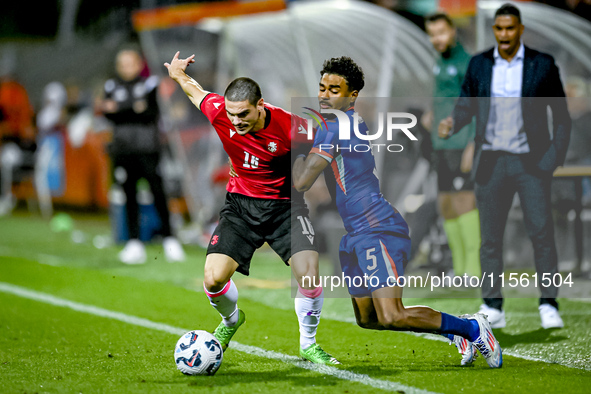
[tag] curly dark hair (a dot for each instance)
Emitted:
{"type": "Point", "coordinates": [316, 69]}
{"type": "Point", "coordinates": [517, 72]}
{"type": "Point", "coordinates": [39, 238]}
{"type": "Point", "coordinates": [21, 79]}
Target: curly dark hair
{"type": "Point", "coordinates": [345, 67]}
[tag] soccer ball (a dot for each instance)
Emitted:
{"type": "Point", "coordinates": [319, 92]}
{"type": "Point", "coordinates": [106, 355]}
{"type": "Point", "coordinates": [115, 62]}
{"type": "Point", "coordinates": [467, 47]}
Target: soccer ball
{"type": "Point", "coordinates": [198, 353]}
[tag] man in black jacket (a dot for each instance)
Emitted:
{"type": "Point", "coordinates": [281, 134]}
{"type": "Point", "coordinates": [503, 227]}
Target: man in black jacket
{"type": "Point", "coordinates": [509, 88]}
{"type": "Point", "coordinates": [130, 103]}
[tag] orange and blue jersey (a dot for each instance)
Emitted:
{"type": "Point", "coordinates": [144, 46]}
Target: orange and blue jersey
{"type": "Point", "coordinates": [359, 201]}
{"type": "Point", "coordinates": [375, 250]}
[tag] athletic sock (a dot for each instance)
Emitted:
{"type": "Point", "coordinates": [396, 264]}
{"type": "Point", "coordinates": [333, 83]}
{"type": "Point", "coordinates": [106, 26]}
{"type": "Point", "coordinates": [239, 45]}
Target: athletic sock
{"type": "Point", "coordinates": [456, 246]}
{"type": "Point", "coordinates": [308, 307]}
{"type": "Point", "coordinates": [466, 328]}
{"type": "Point", "coordinates": [469, 225]}
{"type": "Point", "coordinates": [225, 302]}
{"type": "Point", "coordinates": [448, 336]}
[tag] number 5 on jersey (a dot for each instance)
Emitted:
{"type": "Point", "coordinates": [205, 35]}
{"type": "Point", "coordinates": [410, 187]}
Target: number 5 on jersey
{"type": "Point", "coordinates": [370, 256]}
{"type": "Point", "coordinates": [250, 161]}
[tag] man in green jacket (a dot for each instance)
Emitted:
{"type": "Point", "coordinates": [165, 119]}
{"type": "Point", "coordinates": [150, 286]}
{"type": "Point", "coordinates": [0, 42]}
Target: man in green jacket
{"type": "Point", "coordinates": [452, 158]}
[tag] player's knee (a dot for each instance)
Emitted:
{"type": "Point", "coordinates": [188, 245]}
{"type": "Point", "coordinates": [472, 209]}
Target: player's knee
{"type": "Point", "coordinates": [213, 281]}
{"type": "Point", "coordinates": [309, 281]}
{"type": "Point", "coordinates": [305, 269]}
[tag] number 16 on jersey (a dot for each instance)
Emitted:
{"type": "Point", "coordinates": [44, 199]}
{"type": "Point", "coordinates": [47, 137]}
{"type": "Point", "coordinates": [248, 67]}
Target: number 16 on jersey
{"type": "Point", "coordinates": [250, 161]}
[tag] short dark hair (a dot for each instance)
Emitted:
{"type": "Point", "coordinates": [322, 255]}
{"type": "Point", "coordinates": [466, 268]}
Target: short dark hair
{"type": "Point", "coordinates": [345, 67]}
{"type": "Point", "coordinates": [439, 16]}
{"type": "Point", "coordinates": [242, 89]}
{"type": "Point", "coordinates": [509, 9]}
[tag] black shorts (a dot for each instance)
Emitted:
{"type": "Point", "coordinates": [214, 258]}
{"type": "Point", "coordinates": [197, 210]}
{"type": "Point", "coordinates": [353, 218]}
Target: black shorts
{"type": "Point", "coordinates": [450, 178]}
{"type": "Point", "coordinates": [246, 223]}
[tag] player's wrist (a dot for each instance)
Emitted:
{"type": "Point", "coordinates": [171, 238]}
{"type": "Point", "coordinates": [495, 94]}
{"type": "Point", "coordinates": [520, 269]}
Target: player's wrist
{"type": "Point", "coordinates": [178, 75]}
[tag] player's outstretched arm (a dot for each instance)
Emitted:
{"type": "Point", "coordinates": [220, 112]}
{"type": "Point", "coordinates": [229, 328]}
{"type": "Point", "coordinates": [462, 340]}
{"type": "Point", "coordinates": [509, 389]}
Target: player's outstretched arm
{"type": "Point", "coordinates": [176, 70]}
{"type": "Point", "coordinates": [305, 172]}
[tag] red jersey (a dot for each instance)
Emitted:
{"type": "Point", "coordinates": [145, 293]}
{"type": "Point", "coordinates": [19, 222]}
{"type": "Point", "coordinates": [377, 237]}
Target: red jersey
{"type": "Point", "coordinates": [262, 159]}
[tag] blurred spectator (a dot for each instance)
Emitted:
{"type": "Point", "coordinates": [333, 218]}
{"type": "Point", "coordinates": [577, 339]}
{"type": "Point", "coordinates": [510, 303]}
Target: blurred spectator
{"type": "Point", "coordinates": [52, 114]}
{"type": "Point", "coordinates": [130, 103]}
{"type": "Point", "coordinates": [16, 116]}
{"type": "Point", "coordinates": [17, 138]}
{"type": "Point", "coordinates": [452, 158]}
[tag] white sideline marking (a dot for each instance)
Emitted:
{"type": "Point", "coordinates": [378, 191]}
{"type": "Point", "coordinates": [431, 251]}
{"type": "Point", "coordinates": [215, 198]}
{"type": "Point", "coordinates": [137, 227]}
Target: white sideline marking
{"type": "Point", "coordinates": [253, 350]}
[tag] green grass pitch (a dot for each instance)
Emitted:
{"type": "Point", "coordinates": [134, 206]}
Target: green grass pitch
{"type": "Point", "coordinates": [75, 320]}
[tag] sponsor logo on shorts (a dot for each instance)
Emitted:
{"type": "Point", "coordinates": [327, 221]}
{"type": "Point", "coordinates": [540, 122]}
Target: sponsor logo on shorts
{"type": "Point", "coordinates": [215, 239]}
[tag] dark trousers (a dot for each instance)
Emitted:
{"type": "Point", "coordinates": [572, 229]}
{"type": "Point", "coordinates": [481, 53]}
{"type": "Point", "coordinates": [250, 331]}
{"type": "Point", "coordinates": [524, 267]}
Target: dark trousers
{"type": "Point", "coordinates": [507, 174]}
{"type": "Point", "coordinates": [145, 166]}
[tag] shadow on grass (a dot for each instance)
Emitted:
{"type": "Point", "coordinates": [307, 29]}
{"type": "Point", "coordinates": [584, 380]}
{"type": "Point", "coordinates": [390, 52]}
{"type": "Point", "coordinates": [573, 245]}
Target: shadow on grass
{"type": "Point", "coordinates": [540, 335]}
{"type": "Point", "coordinates": [231, 375]}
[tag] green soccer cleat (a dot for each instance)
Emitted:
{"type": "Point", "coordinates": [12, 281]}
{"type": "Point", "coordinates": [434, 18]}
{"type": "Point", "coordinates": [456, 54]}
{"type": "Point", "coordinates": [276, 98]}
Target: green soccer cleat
{"type": "Point", "coordinates": [224, 333]}
{"type": "Point", "coordinates": [317, 355]}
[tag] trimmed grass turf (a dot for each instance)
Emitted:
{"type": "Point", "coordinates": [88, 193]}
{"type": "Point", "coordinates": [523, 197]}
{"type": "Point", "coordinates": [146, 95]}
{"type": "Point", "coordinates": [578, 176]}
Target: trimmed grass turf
{"type": "Point", "coordinates": [165, 293]}
{"type": "Point", "coordinates": [57, 350]}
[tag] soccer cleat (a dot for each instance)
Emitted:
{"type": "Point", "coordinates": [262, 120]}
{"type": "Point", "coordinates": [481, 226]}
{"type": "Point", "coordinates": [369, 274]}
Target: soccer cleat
{"type": "Point", "coordinates": [486, 343]}
{"type": "Point", "coordinates": [173, 250]}
{"type": "Point", "coordinates": [317, 355]}
{"type": "Point", "coordinates": [224, 333]}
{"type": "Point", "coordinates": [134, 252]}
{"type": "Point", "coordinates": [495, 316]}
{"type": "Point", "coordinates": [466, 349]}
{"type": "Point", "coordinates": [550, 317]}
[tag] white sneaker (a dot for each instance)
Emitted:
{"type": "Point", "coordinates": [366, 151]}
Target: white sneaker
{"type": "Point", "coordinates": [134, 252]}
{"type": "Point", "coordinates": [173, 250]}
{"type": "Point", "coordinates": [495, 317]}
{"type": "Point", "coordinates": [486, 343]}
{"type": "Point", "coordinates": [550, 316]}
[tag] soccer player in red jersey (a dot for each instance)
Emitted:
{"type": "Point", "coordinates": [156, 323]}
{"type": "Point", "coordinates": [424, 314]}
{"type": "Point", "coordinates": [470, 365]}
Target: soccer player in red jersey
{"type": "Point", "coordinates": [258, 138]}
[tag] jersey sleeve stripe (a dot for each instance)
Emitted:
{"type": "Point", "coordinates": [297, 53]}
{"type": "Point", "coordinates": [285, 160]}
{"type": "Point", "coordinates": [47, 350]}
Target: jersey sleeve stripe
{"type": "Point", "coordinates": [323, 154]}
{"type": "Point", "coordinates": [338, 176]}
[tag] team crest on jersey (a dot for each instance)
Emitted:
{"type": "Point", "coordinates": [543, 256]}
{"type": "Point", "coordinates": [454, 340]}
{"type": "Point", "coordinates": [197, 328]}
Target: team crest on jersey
{"type": "Point", "coordinates": [272, 146]}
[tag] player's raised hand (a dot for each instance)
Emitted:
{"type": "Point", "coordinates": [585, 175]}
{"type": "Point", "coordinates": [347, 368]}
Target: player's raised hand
{"type": "Point", "coordinates": [177, 66]}
{"type": "Point", "coordinates": [176, 71]}
{"type": "Point", "coordinates": [445, 126]}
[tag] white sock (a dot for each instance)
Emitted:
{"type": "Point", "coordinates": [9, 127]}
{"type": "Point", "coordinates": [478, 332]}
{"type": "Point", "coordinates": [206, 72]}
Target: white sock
{"type": "Point", "coordinates": [308, 311]}
{"type": "Point", "coordinates": [225, 302]}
